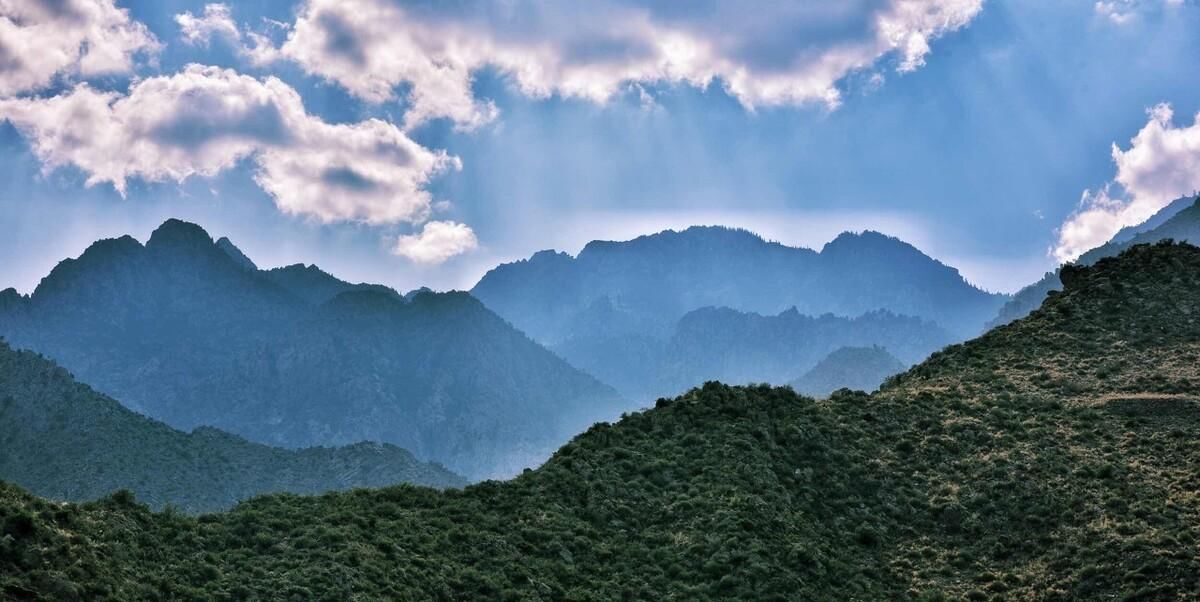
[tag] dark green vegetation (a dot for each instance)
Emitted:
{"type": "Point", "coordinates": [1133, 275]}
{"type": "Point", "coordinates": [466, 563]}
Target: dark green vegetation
{"type": "Point", "coordinates": [189, 332]}
{"type": "Point", "coordinates": [1053, 458]}
{"type": "Point", "coordinates": [62, 440]}
{"type": "Point", "coordinates": [646, 314]}
{"type": "Point", "coordinates": [857, 368]}
{"type": "Point", "coordinates": [1178, 221]}
{"type": "Point", "coordinates": [718, 343]}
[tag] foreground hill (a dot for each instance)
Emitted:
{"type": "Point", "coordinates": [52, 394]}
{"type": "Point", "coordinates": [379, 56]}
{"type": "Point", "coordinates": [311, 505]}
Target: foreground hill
{"type": "Point", "coordinates": [1053, 458]}
{"type": "Point", "coordinates": [1179, 220]}
{"type": "Point", "coordinates": [62, 440]}
{"type": "Point", "coordinates": [188, 331]}
{"type": "Point", "coordinates": [857, 368]}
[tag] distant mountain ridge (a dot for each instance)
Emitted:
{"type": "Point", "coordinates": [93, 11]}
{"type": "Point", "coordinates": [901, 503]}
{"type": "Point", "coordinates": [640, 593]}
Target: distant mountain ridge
{"type": "Point", "coordinates": [856, 368]}
{"type": "Point", "coordinates": [660, 313]}
{"type": "Point", "coordinates": [186, 330]}
{"type": "Point", "coordinates": [718, 343]}
{"type": "Point", "coordinates": [63, 440]}
{"type": "Point", "coordinates": [653, 280]}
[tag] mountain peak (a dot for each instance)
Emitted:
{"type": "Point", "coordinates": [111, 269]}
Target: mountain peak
{"type": "Point", "coordinates": [717, 231]}
{"type": "Point", "coordinates": [103, 252]}
{"type": "Point", "coordinates": [111, 246]}
{"type": "Point", "coordinates": [410, 295]}
{"type": "Point", "coordinates": [175, 232]}
{"type": "Point", "coordinates": [549, 256]}
{"type": "Point", "coordinates": [868, 240]}
{"type": "Point", "coordinates": [235, 254]}
{"type": "Point", "coordinates": [691, 237]}
{"type": "Point", "coordinates": [10, 299]}
{"type": "Point", "coordinates": [308, 268]}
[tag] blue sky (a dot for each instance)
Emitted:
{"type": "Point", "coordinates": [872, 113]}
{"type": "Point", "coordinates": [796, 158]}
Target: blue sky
{"type": "Point", "coordinates": [416, 143]}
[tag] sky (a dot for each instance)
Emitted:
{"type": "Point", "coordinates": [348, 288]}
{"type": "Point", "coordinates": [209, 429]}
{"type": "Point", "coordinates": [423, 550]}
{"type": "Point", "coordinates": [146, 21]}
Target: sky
{"type": "Point", "coordinates": [420, 143]}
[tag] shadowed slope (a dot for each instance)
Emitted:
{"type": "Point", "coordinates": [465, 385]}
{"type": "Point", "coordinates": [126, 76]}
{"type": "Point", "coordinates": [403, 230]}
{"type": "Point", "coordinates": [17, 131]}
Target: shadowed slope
{"type": "Point", "coordinates": [63, 440]}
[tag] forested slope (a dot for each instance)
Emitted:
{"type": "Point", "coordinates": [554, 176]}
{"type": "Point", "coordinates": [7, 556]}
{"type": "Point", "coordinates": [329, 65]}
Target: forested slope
{"type": "Point", "coordinates": [62, 440]}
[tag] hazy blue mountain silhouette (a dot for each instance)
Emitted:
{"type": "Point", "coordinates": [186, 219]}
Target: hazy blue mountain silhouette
{"type": "Point", "coordinates": [718, 343]}
{"type": "Point", "coordinates": [187, 331]}
{"type": "Point", "coordinates": [65, 441]}
{"type": "Point", "coordinates": [1180, 220]}
{"type": "Point", "coordinates": [645, 285]}
{"type": "Point", "coordinates": [857, 368]}
{"type": "Point", "coordinates": [655, 315]}
{"type": "Point", "coordinates": [316, 286]}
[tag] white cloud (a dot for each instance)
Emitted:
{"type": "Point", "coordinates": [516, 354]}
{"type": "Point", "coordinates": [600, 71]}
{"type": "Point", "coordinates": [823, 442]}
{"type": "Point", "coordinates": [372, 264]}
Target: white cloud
{"type": "Point", "coordinates": [786, 55]}
{"type": "Point", "coordinates": [368, 171]}
{"type": "Point", "coordinates": [437, 242]}
{"type": "Point", "coordinates": [1124, 12]}
{"type": "Point", "coordinates": [1098, 218]}
{"type": "Point", "coordinates": [1119, 12]}
{"type": "Point", "coordinates": [1161, 164]}
{"type": "Point", "coordinates": [217, 21]}
{"type": "Point", "coordinates": [40, 40]}
{"type": "Point", "coordinates": [203, 120]}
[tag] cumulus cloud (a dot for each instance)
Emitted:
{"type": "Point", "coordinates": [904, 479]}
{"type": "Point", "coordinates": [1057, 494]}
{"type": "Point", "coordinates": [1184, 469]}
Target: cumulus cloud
{"type": "Point", "coordinates": [217, 21]}
{"type": "Point", "coordinates": [790, 54]}
{"type": "Point", "coordinates": [203, 120]}
{"type": "Point", "coordinates": [437, 242]}
{"type": "Point", "coordinates": [1161, 164]}
{"type": "Point", "coordinates": [43, 39]}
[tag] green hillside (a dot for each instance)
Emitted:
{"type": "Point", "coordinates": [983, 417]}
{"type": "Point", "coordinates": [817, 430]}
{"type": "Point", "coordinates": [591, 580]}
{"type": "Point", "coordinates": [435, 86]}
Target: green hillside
{"type": "Point", "coordinates": [62, 440]}
{"type": "Point", "coordinates": [1053, 458]}
{"type": "Point", "coordinates": [1179, 221]}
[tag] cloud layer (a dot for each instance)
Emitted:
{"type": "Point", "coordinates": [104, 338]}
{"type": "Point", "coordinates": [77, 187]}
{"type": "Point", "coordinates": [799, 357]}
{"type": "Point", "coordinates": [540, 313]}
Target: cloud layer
{"type": "Point", "coordinates": [787, 55]}
{"type": "Point", "coordinates": [1161, 164]}
{"type": "Point", "coordinates": [42, 40]}
{"type": "Point", "coordinates": [204, 120]}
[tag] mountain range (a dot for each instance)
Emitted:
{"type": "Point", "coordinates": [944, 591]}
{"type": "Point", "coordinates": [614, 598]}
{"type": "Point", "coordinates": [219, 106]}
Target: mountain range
{"type": "Point", "coordinates": [1052, 457]}
{"type": "Point", "coordinates": [657, 314]}
{"type": "Point", "coordinates": [188, 331]}
{"type": "Point", "coordinates": [645, 285]}
{"type": "Point", "coordinates": [735, 347]}
{"type": "Point", "coordinates": [63, 440]}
